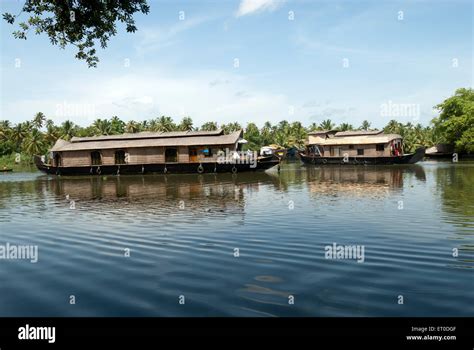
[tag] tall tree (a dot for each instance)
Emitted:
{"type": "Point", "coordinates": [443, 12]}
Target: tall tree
{"type": "Point", "coordinates": [117, 126]}
{"type": "Point", "coordinates": [132, 127]}
{"type": "Point", "coordinates": [456, 120]}
{"type": "Point", "coordinates": [327, 124]}
{"type": "Point", "coordinates": [34, 143]}
{"type": "Point", "coordinates": [365, 125]}
{"type": "Point", "coordinates": [186, 124]}
{"type": "Point", "coordinates": [209, 126]}
{"type": "Point", "coordinates": [67, 130]}
{"type": "Point", "coordinates": [345, 127]}
{"type": "Point", "coordinates": [165, 124]}
{"type": "Point", "coordinates": [103, 127]}
{"type": "Point", "coordinates": [39, 120]}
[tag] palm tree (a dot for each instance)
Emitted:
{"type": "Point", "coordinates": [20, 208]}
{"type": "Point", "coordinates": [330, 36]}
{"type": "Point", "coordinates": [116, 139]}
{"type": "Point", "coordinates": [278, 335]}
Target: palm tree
{"type": "Point", "coordinates": [163, 124]}
{"type": "Point", "coordinates": [5, 124]}
{"type": "Point", "coordinates": [266, 133]}
{"type": "Point", "coordinates": [345, 127]}
{"type": "Point", "coordinates": [186, 124]}
{"type": "Point", "coordinates": [49, 123]}
{"type": "Point", "coordinates": [18, 134]}
{"type": "Point", "coordinates": [152, 125]}
{"type": "Point", "coordinates": [102, 127]}
{"type": "Point", "coordinates": [327, 124]}
{"type": "Point", "coordinates": [231, 127]}
{"type": "Point", "coordinates": [67, 130]}
{"type": "Point", "coordinates": [365, 125]}
{"type": "Point", "coordinates": [5, 130]}
{"type": "Point", "coordinates": [27, 126]}
{"type": "Point", "coordinates": [132, 127]}
{"type": "Point", "coordinates": [117, 126]}
{"type": "Point", "coordinates": [34, 143]}
{"type": "Point", "coordinates": [209, 126]}
{"type": "Point", "coordinates": [393, 127]}
{"type": "Point", "coordinates": [52, 133]}
{"type": "Point", "coordinates": [38, 120]}
{"type": "Point", "coordinates": [314, 127]}
{"type": "Point", "coordinates": [252, 135]}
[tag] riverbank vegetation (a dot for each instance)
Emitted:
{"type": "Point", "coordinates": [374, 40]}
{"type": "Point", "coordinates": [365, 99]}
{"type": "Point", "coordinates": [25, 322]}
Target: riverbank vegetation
{"type": "Point", "coordinates": [454, 125]}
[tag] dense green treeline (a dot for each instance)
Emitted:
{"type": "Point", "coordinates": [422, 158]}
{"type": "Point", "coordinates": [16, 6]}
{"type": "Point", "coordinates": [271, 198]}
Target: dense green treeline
{"type": "Point", "coordinates": [454, 125]}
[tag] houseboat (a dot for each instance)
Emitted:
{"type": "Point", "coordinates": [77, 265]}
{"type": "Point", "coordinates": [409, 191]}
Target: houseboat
{"type": "Point", "coordinates": [151, 152]}
{"type": "Point", "coordinates": [357, 147]}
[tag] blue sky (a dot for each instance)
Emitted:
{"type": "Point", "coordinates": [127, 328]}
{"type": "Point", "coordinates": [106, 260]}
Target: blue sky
{"type": "Point", "coordinates": [342, 60]}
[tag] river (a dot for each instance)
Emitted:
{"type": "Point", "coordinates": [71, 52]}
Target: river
{"type": "Point", "coordinates": [249, 244]}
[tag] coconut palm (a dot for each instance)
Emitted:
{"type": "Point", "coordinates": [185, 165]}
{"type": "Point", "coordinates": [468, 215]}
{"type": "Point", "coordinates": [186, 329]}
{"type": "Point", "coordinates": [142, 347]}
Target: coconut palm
{"type": "Point", "coordinates": [51, 134]}
{"type": "Point", "coordinates": [314, 127]}
{"type": "Point", "coordinates": [266, 133]}
{"type": "Point", "coordinates": [39, 120]}
{"type": "Point", "coordinates": [117, 126]}
{"type": "Point", "coordinates": [103, 127]}
{"type": "Point", "coordinates": [132, 127]}
{"type": "Point", "coordinates": [327, 124]}
{"type": "Point", "coordinates": [209, 126]}
{"type": "Point", "coordinates": [186, 124]}
{"type": "Point", "coordinates": [393, 127]}
{"type": "Point", "coordinates": [231, 127]}
{"type": "Point", "coordinates": [18, 134]}
{"type": "Point", "coordinates": [34, 143]}
{"type": "Point", "coordinates": [166, 124]}
{"type": "Point", "coordinates": [365, 125]}
{"type": "Point", "coordinates": [67, 130]}
{"type": "Point", "coordinates": [345, 127]}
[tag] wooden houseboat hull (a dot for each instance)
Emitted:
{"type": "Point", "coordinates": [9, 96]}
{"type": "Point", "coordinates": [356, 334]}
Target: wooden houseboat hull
{"type": "Point", "coordinates": [171, 168]}
{"type": "Point", "coordinates": [411, 158]}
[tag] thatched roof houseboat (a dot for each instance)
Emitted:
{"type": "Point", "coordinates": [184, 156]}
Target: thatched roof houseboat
{"type": "Point", "coordinates": [154, 152]}
{"type": "Point", "coordinates": [357, 147]}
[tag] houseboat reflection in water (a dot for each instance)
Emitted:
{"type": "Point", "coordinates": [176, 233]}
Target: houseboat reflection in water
{"type": "Point", "coordinates": [360, 181]}
{"type": "Point", "coordinates": [208, 194]}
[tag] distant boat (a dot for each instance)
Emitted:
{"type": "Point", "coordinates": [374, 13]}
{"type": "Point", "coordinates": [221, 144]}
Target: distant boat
{"type": "Point", "coordinates": [275, 150]}
{"type": "Point", "coordinates": [6, 170]}
{"type": "Point", "coordinates": [154, 152]}
{"type": "Point", "coordinates": [440, 151]}
{"type": "Point", "coordinates": [357, 147]}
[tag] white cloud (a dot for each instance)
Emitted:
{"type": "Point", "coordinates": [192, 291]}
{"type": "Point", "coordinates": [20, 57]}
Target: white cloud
{"type": "Point", "coordinates": [148, 94]}
{"type": "Point", "coordinates": [156, 38]}
{"type": "Point", "coordinates": [248, 7]}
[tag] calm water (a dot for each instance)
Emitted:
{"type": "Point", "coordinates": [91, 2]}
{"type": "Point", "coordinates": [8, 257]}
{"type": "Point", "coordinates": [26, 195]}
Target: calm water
{"type": "Point", "coordinates": [182, 231]}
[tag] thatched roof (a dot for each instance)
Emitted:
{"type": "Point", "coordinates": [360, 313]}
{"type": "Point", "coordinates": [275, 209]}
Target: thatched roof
{"type": "Point", "coordinates": [146, 139]}
{"type": "Point", "coordinates": [322, 132]}
{"type": "Point", "coordinates": [358, 140]}
{"type": "Point", "coordinates": [148, 135]}
{"type": "Point", "coordinates": [358, 133]}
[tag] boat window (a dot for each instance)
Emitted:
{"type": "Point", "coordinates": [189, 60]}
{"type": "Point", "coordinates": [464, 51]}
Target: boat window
{"type": "Point", "coordinates": [96, 158]}
{"type": "Point", "coordinates": [171, 155]}
{"type": "Point", "coordinates": [120, 157]}
{"type": "Point", "coordinates": [207, 152]}
{"type": "Point", "coordinates": [351, 146]}
{"type": "Point", "coordinates": [379, 147]}
{"type": "Point", "coordinates": [360, 151]}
